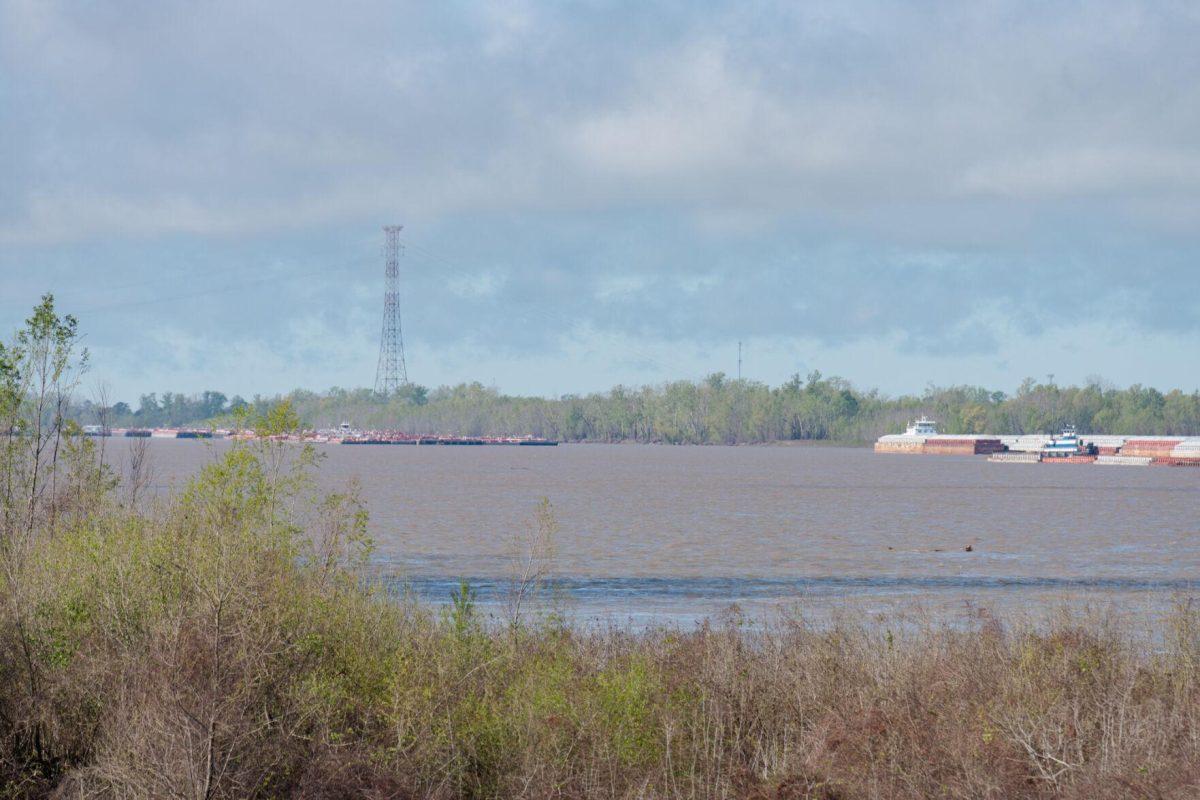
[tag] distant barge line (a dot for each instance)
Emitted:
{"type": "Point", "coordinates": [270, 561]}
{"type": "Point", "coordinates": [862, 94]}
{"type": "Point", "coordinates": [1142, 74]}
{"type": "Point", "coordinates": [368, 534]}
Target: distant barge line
{"type": "Point", "coordinates": [325, 437]}
{"type": "Point", "coordinates": [922, 438]}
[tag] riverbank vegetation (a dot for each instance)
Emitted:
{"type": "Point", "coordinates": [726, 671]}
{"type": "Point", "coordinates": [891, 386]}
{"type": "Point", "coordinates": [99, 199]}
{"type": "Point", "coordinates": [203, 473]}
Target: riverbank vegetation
{"type": "Point", "coordinates": [716, 410]}
{"type": "Point", "coordinates": [225, 642]}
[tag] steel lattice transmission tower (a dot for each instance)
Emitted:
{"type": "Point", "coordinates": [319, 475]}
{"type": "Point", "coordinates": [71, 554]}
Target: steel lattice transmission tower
{"type": "Point", "coordinates": [392, 372]}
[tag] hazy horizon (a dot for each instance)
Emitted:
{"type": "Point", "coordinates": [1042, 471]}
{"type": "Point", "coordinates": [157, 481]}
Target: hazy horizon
{"type": "Point", "coordinates": [607, 194]}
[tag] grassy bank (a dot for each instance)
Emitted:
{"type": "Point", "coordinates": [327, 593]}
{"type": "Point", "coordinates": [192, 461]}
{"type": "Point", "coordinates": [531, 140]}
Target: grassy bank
{"type": "Point", "coordinates": [221, 645]}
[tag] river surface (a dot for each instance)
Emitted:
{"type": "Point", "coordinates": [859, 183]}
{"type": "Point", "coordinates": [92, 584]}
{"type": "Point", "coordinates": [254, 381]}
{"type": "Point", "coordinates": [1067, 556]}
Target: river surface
{"type": "Point", "coordinates": [649, 532]}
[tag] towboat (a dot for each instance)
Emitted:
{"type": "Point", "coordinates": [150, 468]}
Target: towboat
{"type": "Point", "coordinates": [922, 427]}
{"type": "Point", "coordinates": [1067, 444]}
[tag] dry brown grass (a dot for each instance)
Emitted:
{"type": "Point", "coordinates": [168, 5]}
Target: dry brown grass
{"type": "Point", "coordinates": [223, 646]}
{"type": "Point", "coordinates": [307, 687]}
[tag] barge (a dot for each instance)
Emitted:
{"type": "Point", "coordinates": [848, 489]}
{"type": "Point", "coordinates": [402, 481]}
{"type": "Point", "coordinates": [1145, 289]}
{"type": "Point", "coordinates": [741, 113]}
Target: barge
{"type": "Point", "coordinates": [1069, 447]}
{"type": "Point", "coordinates": [922, 438]}
{"type": "Point", "coordinates": [448, 441]}
{"type": "Point", "coordinates": [344, 434]}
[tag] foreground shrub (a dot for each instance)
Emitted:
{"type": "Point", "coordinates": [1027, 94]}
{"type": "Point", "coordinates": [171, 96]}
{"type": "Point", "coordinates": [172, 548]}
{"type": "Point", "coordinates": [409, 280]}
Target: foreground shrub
{"type": "Point", "coordinates": [223, 644]}
{"type": "Point", "coordinates": [203, 653]}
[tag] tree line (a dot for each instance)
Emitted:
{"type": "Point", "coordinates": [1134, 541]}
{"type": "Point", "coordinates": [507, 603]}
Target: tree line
{"type": "Point", "coordinates": [714, 410]}
{"type": "Point", "coordinates": [173, 409]}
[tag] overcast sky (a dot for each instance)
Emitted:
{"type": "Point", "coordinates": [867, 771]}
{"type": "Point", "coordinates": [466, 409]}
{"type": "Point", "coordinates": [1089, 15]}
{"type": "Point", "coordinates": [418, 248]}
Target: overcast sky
{"type": "Point", "coordinates": [602, 193]}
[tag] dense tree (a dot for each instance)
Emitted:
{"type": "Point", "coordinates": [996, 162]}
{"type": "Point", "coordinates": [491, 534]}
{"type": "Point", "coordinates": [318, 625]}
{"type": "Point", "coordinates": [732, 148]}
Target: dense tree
{"type": "Point", "coordinates": [715, 410]}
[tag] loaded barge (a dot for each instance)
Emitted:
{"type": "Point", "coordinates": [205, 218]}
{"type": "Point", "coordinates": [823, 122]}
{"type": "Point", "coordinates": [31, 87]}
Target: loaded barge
{"type": "Point", "coordinates": [343, 435]}
{"type": "Point", "coordinates": [450, 440]}
{"type": "Point", "coordinates": [922, 437]}
{"type": "Point", "coordinates": [1069, 447]}
{"type": "Point", "coordinates": [347, 435]}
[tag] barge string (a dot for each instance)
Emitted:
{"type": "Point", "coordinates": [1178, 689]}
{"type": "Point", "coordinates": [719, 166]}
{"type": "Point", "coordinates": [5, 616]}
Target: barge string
{"type": "Point", "coordinates": [342, 435]}
{"type": "Point", "coordinates": [1070, 447]}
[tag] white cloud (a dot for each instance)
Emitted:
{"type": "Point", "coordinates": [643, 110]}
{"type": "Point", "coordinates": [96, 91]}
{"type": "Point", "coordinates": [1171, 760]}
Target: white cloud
{"type": "Point", "coordinates": [685, 111]}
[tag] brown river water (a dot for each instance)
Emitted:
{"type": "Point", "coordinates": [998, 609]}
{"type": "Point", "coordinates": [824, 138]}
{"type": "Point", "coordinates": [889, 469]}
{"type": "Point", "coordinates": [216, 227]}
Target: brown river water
{"type": "Point", "coordinates": [649, 532]}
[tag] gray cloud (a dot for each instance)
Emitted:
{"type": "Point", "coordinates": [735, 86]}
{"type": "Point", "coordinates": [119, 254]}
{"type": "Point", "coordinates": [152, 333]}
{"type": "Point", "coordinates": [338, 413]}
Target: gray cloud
{"type": "Point", "coordinates": [932, 174]}
{"type": "Point", "coordinates": [224, 117]}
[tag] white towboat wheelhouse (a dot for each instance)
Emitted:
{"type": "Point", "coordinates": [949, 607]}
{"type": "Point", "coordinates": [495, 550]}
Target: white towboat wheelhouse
{"type": "Point", "coordinates": [922, 427]}
{"type": "Point", "coordinates": [1066, 444]}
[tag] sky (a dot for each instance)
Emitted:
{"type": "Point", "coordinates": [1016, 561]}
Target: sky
{"type": "Point", "coordinates": [899, 193]}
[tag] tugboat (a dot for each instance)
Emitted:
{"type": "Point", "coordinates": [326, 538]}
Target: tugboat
{"type": "Point", "coordinates": [922, 427]}
{"type": "Point", "coordinates": [1067, 444]}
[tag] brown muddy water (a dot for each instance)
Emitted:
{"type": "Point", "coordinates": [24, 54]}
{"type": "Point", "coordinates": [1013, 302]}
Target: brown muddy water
{"type": "Point", "coordinates": [649, 532]}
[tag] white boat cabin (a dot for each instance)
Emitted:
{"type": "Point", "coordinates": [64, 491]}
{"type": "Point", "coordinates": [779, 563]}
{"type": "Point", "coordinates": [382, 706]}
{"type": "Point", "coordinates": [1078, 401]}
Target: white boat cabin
{"type": "Point", "coordinates": [922, 427]}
